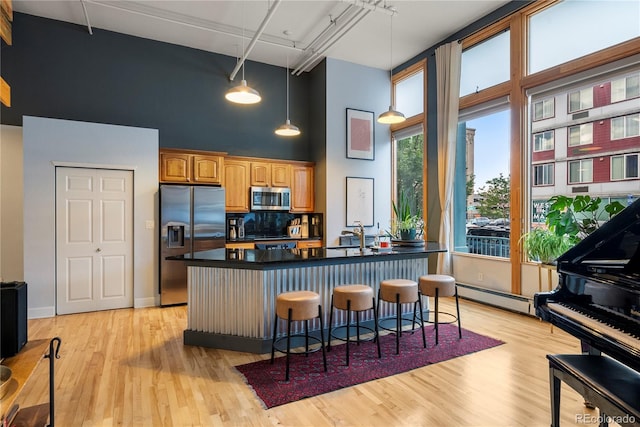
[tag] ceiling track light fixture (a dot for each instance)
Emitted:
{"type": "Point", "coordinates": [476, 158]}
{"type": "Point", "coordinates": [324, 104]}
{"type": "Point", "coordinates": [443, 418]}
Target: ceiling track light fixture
{"type": "Point", "coordinates": [243, 94]}
{"type": "Point", "coordinates": [392, 116]}
{"type": "Point", "coordinates": [287, 129]}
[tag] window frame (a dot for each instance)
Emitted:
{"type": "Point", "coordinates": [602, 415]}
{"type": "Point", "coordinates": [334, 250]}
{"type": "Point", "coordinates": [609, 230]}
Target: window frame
{"type": "Point", "coordinates": [581, 161]}
{"type": "Point", "coordinates": [624, 119]}
{"type": "Point", "coordinates": [626, 88]}
{"type": "Point", "coordinates": [543, 103]}
{"type": "Point", "coordinates": [553, 141]}
{"type": "Point", "coordinates": [580, 127]}
{"type": "Point", "coordinates": [624, 165]}
{"type": "Point", "coordinates": [583, 105]}
{"type": "Point", "coordinates": [551, 175]}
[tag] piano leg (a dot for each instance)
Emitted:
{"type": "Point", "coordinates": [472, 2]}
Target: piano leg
{"type": "Point", "coordinates": [587, 349]}
{"type": "Point", "coordinates": [554, 383]}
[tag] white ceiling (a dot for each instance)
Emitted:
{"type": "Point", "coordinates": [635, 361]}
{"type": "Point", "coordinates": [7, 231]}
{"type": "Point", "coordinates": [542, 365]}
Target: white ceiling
{"type": "Point", "coordinates": [217, 26]}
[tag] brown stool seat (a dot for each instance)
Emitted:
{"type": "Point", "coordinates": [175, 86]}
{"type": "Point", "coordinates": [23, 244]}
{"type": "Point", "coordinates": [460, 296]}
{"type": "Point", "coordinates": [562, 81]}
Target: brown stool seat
{"type": "Point", "coordinates": [298, 306]}
{"type": "Point", "coordinates": [361, 297]}
{"type": "Point", "coordinates": [353, 298]}
{"type": "Point", "coordinates": [446, 285]}
{"type": "Point", "coordinates": [405, 289]}
{"type": "Point", "coordinates": [436, 286]}
{"type": "Point", "coordinates": [398, 292]}
{"type": "Point", "coordinates": [303, 305]}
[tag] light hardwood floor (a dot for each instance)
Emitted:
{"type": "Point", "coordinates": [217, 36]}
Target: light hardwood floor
{"type": "Point", "coordinates": [130, 368]}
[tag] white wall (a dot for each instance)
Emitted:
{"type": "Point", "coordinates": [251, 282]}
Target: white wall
{"type": "Point", "coordinates": [362, 88]}
{"type": "Point", "coordinates": [51, 142]}
{"type": "Point", "coordinates": [11, 189]}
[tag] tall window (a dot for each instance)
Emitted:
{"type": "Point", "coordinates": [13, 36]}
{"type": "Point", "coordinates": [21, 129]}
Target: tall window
{"type": "Point", "coordinates": [581, 171]}
{"type": "Point", "coordinates": [544, 109]}
{"type": "Point", "coordinates": [581, 134]}
{"type": "Point", "coordinates": [410, 94]}
{"type": "Point", "coordinates": [624, 167]}
{"type": "Point", "coordinates": [580, 100]}
{"type": "Point", "coordinates": [409, 165]}
{"type": "Point", "coordinates": [492, 57]}
{"type": "Point", "coordinates": [543, 141]}
{"type": "Point", "coordinates": [625, 127]}
{"type": "Point", "coordinates": [574, 28]}
{"type": "Point", "coordinates": [625, 88]}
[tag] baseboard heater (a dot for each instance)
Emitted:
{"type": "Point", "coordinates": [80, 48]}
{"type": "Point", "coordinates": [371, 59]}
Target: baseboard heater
{"type": "Point", "coordinates": [517, 303]}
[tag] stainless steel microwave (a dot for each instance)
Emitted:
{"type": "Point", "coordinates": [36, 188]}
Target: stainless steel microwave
{"type": "Point", "coordinates": [270, 199]}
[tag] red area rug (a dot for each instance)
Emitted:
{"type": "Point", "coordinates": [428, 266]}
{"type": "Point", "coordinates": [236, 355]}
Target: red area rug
{"type": "Point", "coordinates": [307, 377]}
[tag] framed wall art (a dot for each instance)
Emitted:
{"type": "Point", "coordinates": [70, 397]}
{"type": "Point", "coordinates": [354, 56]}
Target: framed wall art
{"type": "Point", "coordinates": [360, 136]}
{"type": "Point", "coordinates": [359, 201]}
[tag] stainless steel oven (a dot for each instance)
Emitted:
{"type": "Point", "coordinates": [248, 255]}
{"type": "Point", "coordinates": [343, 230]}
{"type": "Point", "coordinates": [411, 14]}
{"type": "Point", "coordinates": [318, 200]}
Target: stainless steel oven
{"type": "Point", "coordinates": [270, 198]}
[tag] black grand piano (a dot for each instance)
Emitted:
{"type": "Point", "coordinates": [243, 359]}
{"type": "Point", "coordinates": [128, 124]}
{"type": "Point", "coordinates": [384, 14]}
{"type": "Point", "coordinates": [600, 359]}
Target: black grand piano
{"type": "Point", "coordinates": [598, 301]}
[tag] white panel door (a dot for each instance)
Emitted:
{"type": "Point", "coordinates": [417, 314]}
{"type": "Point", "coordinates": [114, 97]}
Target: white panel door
{"type": "Point", "coordinates": [94, 239]}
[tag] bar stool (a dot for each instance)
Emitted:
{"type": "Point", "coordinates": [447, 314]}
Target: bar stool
{"type": "Point", "coordinates": [440, 285]}
{"type": "Point", "coordinates": [401, 291]}
{"type": "Point", "coordinates": [298, 306]}
{"type": "Point", "coordinates": [353, 298]}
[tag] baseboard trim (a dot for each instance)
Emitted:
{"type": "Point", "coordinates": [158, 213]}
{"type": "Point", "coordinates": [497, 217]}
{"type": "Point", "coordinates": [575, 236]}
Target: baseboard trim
{"type": "Point", "coordinates": [504, 300]}
{"type": "Point", "coordinates": [41, 312]}
{"type": "Point", "coordinates": [146, 302]}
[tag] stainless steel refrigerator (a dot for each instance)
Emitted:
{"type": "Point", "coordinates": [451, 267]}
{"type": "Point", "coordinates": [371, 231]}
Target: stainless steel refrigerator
{"type": "Point", "coordinates": [192, 219]}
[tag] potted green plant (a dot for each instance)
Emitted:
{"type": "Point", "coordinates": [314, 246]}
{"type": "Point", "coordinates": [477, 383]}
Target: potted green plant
{"type": "Point", "coordinates": [543, 245]}
{"type": "Point", "coordinates": [406, 225]}
{"type": "Point", "coordinates": [568, 221]}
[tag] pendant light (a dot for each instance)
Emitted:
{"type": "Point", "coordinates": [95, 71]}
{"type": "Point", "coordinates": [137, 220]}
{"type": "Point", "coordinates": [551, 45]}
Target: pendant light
{"type": "Point", "coordinates": [392, 116]}
{"type": "Point", "coordinates": [287, 129]}
{"type": "Point", "coordinates": [243, 94]}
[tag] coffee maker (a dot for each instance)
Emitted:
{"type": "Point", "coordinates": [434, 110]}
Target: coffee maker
{"type": "Point", "coordinates": [315, 225]}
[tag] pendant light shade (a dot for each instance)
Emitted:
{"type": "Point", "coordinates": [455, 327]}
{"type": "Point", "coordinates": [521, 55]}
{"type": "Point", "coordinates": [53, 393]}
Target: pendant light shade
{"type": "Point", "coordinates": [392, 116]}
{"type": "Point", "coordinates": [243, 94]}
{"type": "Point", "coordinates": [287, 129]}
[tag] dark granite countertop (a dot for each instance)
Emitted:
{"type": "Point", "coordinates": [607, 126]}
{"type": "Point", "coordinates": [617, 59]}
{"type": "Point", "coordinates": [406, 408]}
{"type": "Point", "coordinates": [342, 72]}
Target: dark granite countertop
{"type": "Point", "coordinates": [255, 259]}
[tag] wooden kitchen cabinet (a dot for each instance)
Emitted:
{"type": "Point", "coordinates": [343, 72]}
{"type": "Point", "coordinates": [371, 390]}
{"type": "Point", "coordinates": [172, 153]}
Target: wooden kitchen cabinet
{"type": "Point", "coordinates": [237, 176]}
{"type": "Point", "coordinates": [192, 167]}
{"type": "Point", "coordinates": [207, 169]}
{"type": "Point", "coordinates": [270, 174]}
{"type": "Point", "coordinates": [260, 174]}
{"type": "Point", "coordinates": [302, 188]}
{"type": "Point", "coordinates": [301, 244]}
{"type": "Point", "coordinates": [280, 175]}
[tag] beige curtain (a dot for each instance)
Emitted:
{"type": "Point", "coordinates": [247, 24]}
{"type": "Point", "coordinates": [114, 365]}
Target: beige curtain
{"type": "Point", "coordinates": [448, 58]}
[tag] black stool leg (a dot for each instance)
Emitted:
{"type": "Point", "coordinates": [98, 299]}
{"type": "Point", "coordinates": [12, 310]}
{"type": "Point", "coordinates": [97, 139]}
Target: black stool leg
{"type": "Point", "coordinates": [348, 328]}
{"type": "Point", "coordinates": [273, 343]}
{"type": "Point", "coordinates": [288, 342]}
{"type": "Point", "coordinates": [375, 322]}
{"type": "Point", "coordinates": [458, 313]}
{"type": "Point", "coordinates": [324, 354]}
{"type": "Point", "coordinates": [330, 325]}
{"type": "Point", "coordinates": [306, 338]}
{"type": "Point", "coordinates": [436, 314]}
{"type": "Point", "coordinates": [398, 323]}
{"type": "Point", "coordinates": [424, 338]}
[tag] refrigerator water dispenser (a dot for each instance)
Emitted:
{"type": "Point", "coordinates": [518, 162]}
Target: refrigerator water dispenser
{"type": "Point", "coordinates": [175, 236]}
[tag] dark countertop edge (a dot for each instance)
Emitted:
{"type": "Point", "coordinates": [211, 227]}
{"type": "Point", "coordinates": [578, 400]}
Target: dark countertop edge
{"type": "Point", "coordinates": [408, 253]}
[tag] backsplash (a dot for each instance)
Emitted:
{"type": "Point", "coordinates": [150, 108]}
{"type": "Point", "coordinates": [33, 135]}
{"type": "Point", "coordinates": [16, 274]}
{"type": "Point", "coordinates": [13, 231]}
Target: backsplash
{"type": "Point", "coordinates": [274, 224]}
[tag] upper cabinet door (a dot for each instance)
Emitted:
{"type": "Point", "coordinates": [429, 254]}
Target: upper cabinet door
{"type": "Point", "coordinates": [280, 175]}
{"type": "Point", "coordinates": [236, 184]}
{"type": "Point", "coordinates": [207, 169]}
{"type": "Point", "coordinates": [260, 174]}
{"type": "Point", "coordinates": [302, 192]}
{"type": "Point", "coordinates": [175, 167]}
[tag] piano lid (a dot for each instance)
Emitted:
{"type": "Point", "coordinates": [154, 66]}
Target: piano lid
{"type": "Point", "coordinates": [613, 246]}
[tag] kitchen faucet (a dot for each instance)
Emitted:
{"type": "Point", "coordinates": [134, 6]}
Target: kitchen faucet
{"type": "Point", "coordinates": [359, 231]}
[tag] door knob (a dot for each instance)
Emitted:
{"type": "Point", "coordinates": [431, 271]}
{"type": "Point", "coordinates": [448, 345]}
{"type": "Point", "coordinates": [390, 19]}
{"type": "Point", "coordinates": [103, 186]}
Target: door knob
{"type": "Point", "coordinates": [98, 250]}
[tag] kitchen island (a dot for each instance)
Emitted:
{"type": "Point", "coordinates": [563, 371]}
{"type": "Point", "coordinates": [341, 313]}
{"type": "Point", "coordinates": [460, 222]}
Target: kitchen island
{"type": "Point", "coordinates": [232, 292]}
